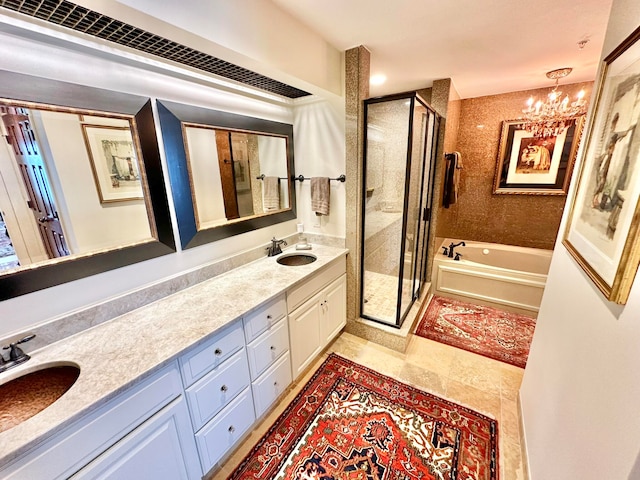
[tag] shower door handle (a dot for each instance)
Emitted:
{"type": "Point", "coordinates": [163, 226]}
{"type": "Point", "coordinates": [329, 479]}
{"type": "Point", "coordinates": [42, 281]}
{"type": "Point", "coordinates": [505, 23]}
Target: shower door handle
{"type": "Point", "coordinates": [426, 214]}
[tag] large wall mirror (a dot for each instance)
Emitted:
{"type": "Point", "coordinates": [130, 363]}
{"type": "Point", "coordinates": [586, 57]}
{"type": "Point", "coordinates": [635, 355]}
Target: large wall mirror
{"type": "Point", "coordinates": [81, 184]}
{"type": "Point", "coordinates": [229, 173]}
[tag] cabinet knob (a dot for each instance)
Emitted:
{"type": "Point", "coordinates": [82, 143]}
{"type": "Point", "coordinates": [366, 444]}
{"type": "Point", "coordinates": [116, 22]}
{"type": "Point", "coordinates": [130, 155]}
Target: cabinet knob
{"type": "Point", "coordinates": [275, 384]}
{"type": "Point", "coordinates": [269, 317]}
{"type": "Point", "coordinates": [223, 388]}
{"type": "Point", "coordinates": [272, 347]}
{"type": "Point", "coordinates": [217, 352]}
{"type": "Point", "coordinates": [232, 429]}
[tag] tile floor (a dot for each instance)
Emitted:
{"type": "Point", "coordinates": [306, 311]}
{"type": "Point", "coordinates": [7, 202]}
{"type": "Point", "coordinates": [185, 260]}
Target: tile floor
{"type": "Point", "coordinates": [483, 384]}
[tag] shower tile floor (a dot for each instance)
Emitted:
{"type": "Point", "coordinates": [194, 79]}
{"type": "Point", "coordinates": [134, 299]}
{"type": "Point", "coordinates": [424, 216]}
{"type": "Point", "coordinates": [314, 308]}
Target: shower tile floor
{"type": "Point", "coordinates": [380, 296]}
{"type": "Point", "coordinates": [485, 385]}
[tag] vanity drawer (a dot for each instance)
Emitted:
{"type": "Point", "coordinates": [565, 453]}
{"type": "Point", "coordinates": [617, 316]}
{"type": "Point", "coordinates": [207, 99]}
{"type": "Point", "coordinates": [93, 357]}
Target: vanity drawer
{"type": "Point", "coordinates": [270, 385]}
{"type": "Point", "coordinates": [257, 322]}
{"type": "Point", "coordinates": [211, 393]}
{"type": "Point", "coordinates": [196, 363]}
{"type": "Point", "coordinates": [265, 349]}
{"type": "Point", "coordinates": [221, 433]}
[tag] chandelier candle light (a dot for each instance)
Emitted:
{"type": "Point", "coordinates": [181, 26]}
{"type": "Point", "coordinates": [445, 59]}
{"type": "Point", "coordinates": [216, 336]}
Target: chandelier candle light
{"type": "Point", "coordinates": [551, 118]}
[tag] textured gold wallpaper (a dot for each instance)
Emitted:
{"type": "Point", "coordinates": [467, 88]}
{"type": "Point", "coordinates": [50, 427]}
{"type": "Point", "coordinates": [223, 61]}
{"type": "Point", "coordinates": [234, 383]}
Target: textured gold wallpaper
{"type": "Point", "coordinates": [524, 220]}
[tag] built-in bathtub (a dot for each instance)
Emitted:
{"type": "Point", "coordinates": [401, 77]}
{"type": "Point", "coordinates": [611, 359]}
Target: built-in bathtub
{"type": "Point", "coordinates": [494, 274]}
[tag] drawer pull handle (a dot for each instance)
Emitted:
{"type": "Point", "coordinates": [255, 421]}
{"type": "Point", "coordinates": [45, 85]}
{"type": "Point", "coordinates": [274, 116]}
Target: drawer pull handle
{"type": "Point", "coordinates": [223, 388]}
{"type": "Point", "coordinates": [217, 352]}
{"type": "Point", "coordinates": [272, 347]}
{"type": "Point", "coordinates": [232, 429]}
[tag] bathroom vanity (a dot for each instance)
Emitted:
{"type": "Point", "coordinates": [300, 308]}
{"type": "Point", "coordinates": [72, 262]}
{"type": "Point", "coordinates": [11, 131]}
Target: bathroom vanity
{"type": "Point", "coordinates": [166, 391]}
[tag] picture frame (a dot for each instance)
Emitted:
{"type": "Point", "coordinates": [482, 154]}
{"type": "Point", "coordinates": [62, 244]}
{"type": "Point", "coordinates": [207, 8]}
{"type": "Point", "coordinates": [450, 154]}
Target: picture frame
{"type": "Point", "coordinates": [114, 162]}
{"type": "Point", "coordinates": [535, 166]}
{"type": "Point", "coordinates": [603, 225]}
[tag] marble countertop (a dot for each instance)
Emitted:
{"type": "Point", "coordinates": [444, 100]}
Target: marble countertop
{"type": "Point", "coordinates": [119, 353]}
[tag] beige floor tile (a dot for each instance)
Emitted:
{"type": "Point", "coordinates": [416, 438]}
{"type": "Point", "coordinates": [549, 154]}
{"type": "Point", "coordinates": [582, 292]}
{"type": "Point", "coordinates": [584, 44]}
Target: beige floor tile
{"type": "Point", "coordinates": [510, 380]}
{"type": "Point", "coordinates": [429, 355]}
{"type": "Point", "coordinates": [483, 402]}
{"type": "Point", "coordinates": [424, 379]}
{"type": "Point", "coordinates": [509, 422]}
{"type": "Point", "coordinates": [476, 371]}
{"type": "Point", "coordinates": [511, 462]}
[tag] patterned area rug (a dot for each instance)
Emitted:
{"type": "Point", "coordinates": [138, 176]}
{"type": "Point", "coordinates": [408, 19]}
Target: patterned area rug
{"type": "Point", "coordinates": [487, 331]}
{"type": "Point", "coordinates": [352, 423]}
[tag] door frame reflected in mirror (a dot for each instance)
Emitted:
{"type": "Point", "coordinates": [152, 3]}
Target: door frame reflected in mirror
{"type": "Point", "coordinates": [36, 90]}
{"type": "Point", "coordinates": [172, 115]}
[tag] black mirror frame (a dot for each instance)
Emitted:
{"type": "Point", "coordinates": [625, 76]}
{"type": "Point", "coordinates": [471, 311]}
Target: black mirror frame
{"type": "Point", "coordinates": [171, 116]}
{"type": "Point", "coordinates": [27, 88]}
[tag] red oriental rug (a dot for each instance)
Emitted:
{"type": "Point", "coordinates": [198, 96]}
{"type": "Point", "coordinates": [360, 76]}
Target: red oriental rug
{"type": "Point", "coordinates": [487, 331]}
{"type": "Point", "coordinates": [351, 423]}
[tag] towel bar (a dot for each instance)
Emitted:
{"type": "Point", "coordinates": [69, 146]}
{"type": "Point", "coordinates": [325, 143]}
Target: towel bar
{"type": "Point", "coordinates": [302, 178]}
{"type": "Point", "coordinates": [261, 177]}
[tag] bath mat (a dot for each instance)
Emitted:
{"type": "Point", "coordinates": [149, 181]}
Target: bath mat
{"type": "Point", "coordinates": [503, 336]}
{"type": "Point", "coordinates": [350, 422]}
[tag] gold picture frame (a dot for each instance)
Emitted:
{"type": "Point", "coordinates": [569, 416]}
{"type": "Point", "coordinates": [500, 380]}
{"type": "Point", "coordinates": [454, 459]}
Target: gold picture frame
{"type": "Point", "coordinates": [533, 166]}
{"type": "Point", "coordinates": [603, 224]}
{"type": "Point", "coordinates": [114, 162]}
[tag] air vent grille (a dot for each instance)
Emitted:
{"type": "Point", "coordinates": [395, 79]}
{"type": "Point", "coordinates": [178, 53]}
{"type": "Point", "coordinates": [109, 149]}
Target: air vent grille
{"type": "Point", "coordinates": [92, 23]}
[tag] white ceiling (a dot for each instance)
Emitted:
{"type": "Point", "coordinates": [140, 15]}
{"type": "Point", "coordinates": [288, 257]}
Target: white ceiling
{"type": "Point", "coordinates": [486, 46]}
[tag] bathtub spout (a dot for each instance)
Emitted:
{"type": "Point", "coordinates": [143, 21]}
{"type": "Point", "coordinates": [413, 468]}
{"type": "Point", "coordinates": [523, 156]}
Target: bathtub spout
{"type": "Point", "coordinates": [454, 245]}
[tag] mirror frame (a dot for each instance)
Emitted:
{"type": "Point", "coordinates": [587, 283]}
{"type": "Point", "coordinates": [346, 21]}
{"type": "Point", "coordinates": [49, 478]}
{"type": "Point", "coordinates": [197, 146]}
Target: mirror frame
{"type": "Point", "coordinates": [171, 116]}
{"type": "Point", "coordinates": [30, 89]}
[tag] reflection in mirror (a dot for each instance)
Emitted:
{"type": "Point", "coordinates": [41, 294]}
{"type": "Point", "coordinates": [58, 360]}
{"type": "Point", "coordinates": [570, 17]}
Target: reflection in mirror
{"type": "Point", "coordinates": [80, 189]}
{"type": "Point", "coordinates": [72, 185]}
{"type": "Point", "coordinates": [229, 173]}
{"type": "Point", "coordinates": [235, 174]}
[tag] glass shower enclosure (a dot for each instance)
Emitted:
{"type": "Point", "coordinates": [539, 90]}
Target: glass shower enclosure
{"type": "Point", "coordinates": [401, 133]}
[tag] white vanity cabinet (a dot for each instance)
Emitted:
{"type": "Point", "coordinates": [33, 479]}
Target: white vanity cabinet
{"type": "Point", "coordinates": [267, 335]}
{"type": "Point", "coordinates": [117, 441]}
{"type": "Point", "coordinates": [317, 313]}
{"type": "Point", "coordinates": [217, 386]}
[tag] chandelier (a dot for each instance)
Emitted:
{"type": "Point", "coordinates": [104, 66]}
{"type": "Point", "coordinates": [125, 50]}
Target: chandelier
{"type": "Point", "coordinates": [552, 117]}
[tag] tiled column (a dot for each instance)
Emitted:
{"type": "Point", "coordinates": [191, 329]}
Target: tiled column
{"type": "Point", "coordinates": [357, 69]}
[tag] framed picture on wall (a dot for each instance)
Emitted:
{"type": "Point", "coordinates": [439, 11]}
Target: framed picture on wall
{"type": "Point", "coordinates": [602, 230]}
{"type": "Point", "coordinates": [535, 166]}
{"type": "Point", "coordinates": [114, 162]}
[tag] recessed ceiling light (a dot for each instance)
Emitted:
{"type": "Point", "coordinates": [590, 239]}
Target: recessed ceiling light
{"type": "Point", "coordinates": [378, 79]}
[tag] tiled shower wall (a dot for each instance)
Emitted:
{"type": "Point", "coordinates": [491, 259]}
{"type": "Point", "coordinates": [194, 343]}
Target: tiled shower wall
{"type": "Point", "coordinates": [523, 220]}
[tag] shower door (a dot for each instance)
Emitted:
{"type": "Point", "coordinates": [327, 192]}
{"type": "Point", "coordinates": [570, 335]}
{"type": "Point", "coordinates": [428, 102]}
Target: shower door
{"type": "Point", "coordinates": [399, 152]}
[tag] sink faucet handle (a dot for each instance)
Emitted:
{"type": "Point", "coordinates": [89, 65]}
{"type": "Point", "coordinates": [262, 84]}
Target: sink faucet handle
{"type": "Point", "coordinates": [16, 352]}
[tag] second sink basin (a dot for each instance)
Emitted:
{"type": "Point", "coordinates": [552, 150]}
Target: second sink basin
{"type": "Point", "coordinates": [295, 259]}
{"type": "Point", "coordinates": [24, 396]}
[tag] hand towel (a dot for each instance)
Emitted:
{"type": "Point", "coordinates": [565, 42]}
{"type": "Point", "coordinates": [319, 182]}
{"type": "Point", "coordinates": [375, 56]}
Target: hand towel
{"type": "Point", "coordinates": [451, 179]}
{"type": "Point", "coordinates": [271, 193]}
{"type": "Point", "coordinates": [320, 192]}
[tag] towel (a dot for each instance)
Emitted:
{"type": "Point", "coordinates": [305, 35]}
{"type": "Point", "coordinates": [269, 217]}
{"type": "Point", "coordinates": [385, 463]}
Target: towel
{"type": "Point", "coordinates": [451, 179]}
{"type": "Point", "coordinates": [271, 192]}
{"type": "Point", "coordinates": [320, 191]}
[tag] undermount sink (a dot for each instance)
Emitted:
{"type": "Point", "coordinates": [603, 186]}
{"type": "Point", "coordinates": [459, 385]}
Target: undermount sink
{"type": "Point", "coordinates": [24, 396]}
{"type": "Point", "coordinates": [295, 259]}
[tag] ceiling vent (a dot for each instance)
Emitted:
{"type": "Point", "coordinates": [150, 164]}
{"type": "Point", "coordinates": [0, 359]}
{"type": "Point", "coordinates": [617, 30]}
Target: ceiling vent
{"type": "Point", "coordinates": [92, 23]}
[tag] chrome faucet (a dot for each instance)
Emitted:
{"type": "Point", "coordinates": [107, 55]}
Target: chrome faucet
{"type": "Point", "coordinates": [274, 249]}
{"type": "Point", "coordinates": [16, 355]}
{"type": "Point", "coordinates": [452, 246]}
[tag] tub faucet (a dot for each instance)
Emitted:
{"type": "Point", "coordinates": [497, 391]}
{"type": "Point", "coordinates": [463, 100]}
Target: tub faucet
{"type": "Point", "coordinates": [452, 246]}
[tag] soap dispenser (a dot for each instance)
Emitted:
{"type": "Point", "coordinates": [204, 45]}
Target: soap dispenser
{"type": "Point", "coordinates": [302, 239]}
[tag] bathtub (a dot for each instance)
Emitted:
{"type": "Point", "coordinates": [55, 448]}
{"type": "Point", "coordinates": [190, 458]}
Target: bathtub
{"type": "Point", "coordinates": [508, 277]}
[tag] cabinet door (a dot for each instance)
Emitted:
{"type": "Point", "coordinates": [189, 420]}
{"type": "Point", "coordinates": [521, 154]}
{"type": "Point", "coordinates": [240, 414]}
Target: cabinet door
{"type": "Point", "coordinates": [161, 448]}
{"type": "Point", "coordinates": [334, 309]}
{"type": "Point", "coordinates": [304, 334]}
